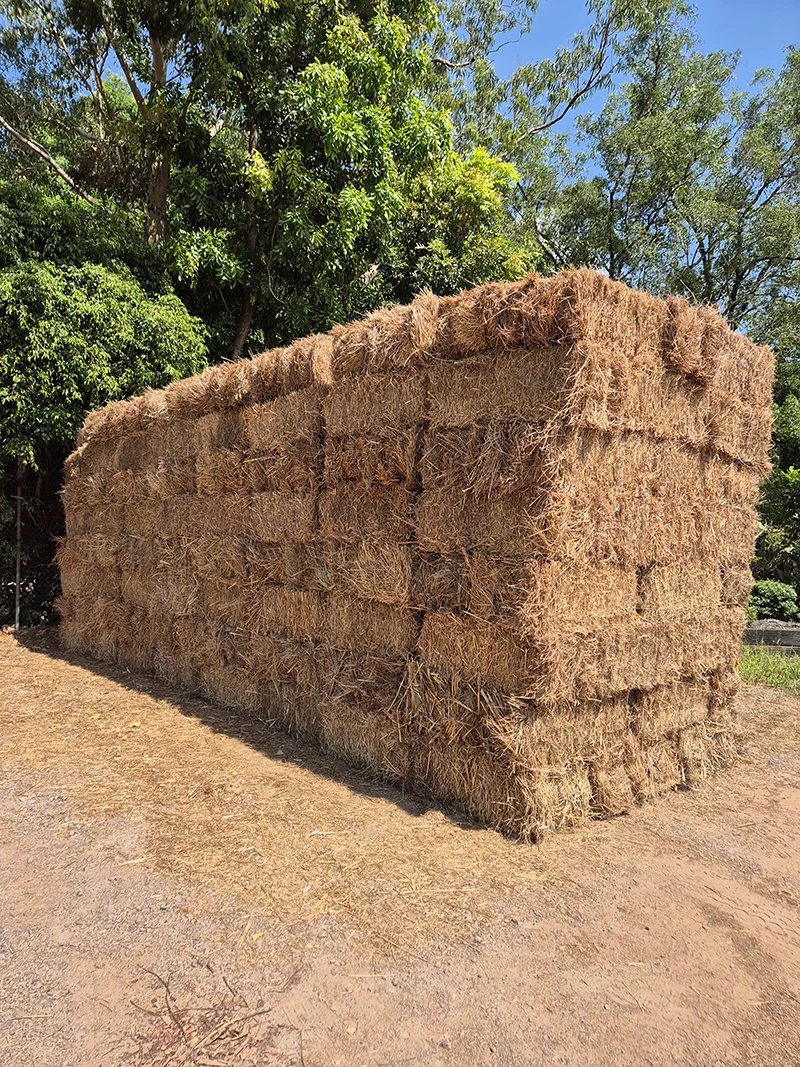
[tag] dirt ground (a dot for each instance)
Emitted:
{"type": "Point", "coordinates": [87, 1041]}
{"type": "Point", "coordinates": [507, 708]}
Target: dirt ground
{"type": "Point", "coordinates": [179, 886]}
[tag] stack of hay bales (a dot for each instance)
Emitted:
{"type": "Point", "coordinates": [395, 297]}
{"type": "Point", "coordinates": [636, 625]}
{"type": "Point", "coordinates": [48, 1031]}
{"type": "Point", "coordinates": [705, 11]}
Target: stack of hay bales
{"type": "Point", "coordinates": [494, 546]}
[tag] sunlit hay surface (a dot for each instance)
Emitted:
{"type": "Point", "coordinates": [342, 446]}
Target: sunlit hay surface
{"type": "Point", "coordinates": [493, 547]}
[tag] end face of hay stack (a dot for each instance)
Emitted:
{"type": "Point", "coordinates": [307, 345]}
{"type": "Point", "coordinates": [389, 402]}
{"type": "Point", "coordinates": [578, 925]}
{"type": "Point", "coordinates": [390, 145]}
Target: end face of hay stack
{"type": "Point", "coordinates": [494, 546]}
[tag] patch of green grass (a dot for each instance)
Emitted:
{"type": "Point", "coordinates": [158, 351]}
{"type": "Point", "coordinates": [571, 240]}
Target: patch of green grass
{"type": "Point", "coordinates": [762, 666]}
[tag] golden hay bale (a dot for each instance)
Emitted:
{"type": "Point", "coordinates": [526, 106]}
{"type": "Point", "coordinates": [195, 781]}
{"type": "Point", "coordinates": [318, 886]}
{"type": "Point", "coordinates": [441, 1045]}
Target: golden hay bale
{"type": "Point", "coordinates": [374, 570]}
{"type": "Point", "coordinates": [363, 738]}
{"type": "Point", "coordinates": [577, 600]}
{"type": "Point", "coordinates": [220, 472]}
{"type": "Point", "coordinates": [636, 655]}
{"type": "Point", "coordinates": [135, 451]}
{"type": "Point", "coordinates": [481, 652]}
{"type": "Point", "coordinates": [266, 563]}
{"type": "Point", "coordinates": [287, 418]}
{"type": "Point", "coordinates": [81, 493]}
{"type": "Point", "coordinates": [724, 683]}
{"type": "Point", "coordinates": [168, 479]}
{"type": "Point", "coordinates": [738, 432]}
{"type": "Point", "coordinates": [524, 774]}
{"type": "Point", "coordinates": [278, 609]}
{"type": "Point", "coordinates": [138, 588]}
{"type": "Point", "coordinates": [368, 624]}
{"type": "Point", "coordinates": [516, 385]}
{"type": "Point", "coordinates": [498, 588]}
{"type": "Point", "coordinates": [171, 667]}
{"type": "Point", "coordinates": [296, 466]}
{"type": "Point", "coordinates": [369, 680]}
{"type": "Point", "coordinates": [351, 513]}
{"type": "Point", "coordinates": [633, 500]}
{"type": "Point", "coordinates": [214, 431]}
{"type": "Point", "coordinates": [148, 520]}
{"type": "Point", "coordinates": [449, 521]}
{"type": "Point", "coordinates": [495, 546]}
{"type": "Point", "coordinates": [86, 571]}
{"type": "Point", "coordinates": [144, 631]}
{"type": "Point", "coordinates": [529, 314]}
{"type": "Point", "coordinates": [196, 640]}
{"type": "Point", "coordinates": [440, 583]}
{"type": "Point", "coordinates": [746, 371]}
{"type": "Point", "coordinates": [487, 458]}
{"type": "Point", "coordinates": [108, 519]}
{"type": "Point", "coordinates": [305, 566]}
{"type": "Point", "coordinates": [608, 394]}
{"type": "Point", "coordinates": [376, 404]}
{"type": "Point", "coordinates": [386, 340]}
{"type": "Point", "coordinates": [678, 590]}
{"type": "Point", "coordinates": [377, 459]}
{"type": "Point", "coordinates": [667, 708]}
{"type": "Point", "coordinates": [274, 658]}
{"type": "Point", "coordinates": [692, 339]}
{"type": "Point", "coordinates": [281, 516]}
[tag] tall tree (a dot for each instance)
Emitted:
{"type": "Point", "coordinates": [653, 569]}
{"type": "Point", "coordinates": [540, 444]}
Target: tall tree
{"type": "Point", "coordinates": [279, 151]}
{"type": "Point", "coordinates": [688, 183]}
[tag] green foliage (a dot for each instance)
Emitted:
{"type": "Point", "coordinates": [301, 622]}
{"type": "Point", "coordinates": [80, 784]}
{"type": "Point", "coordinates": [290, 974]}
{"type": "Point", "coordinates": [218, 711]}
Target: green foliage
{"type": "Point", "coordinates": [763, 666]}
{"type": "Point", "coordinates": [453, 232]}
{"type": "Point", "coordinates": [47, 222]}
{"type": "Point", "coordinates": [290, 221]}
{"type": "Point", "coordinates": [687, 184]}
{"type": "Point", "coordinates": [75, 338]}
{"type": "Point", "coordinates": [774, 600]}
{"type": "Point", "coordinates": [778, 547]}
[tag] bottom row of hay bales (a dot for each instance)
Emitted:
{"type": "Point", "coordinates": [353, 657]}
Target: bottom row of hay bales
{"type": "Point", "coordinates": [508, 761]}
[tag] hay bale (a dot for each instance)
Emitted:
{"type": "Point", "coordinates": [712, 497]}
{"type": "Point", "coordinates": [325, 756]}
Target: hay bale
{"type": "Point", "coordinates": [376, 404]}
{"type": "Point", "coordinates": [369, 460]}
{"type": "Point", "coordinates": [494, 546]}
{"type": "Point", "coordinates": [487, 458]}
{"type": "Point", "coordinates": [514, 385]}
{"type": "Point", "coordinates": [280, 516]}
{"type": "Point", "coordinates": [448, 521]}
{"type": "Point", "coordinates": [348, 512]}
{"type": "Point", "coordinates": [373, 570]}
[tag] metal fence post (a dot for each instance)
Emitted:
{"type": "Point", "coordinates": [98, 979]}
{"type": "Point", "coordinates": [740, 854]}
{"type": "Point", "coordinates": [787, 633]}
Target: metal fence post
{"type": "Point", "coordinates": [19, 542]}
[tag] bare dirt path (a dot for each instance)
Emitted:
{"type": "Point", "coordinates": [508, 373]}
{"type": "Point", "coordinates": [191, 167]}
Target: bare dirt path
{"type": "Point", "coordinates": [181, 887]}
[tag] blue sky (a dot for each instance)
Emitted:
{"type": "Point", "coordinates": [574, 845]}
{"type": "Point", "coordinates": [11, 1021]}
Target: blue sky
{"type": "Point", "coordinates": [760, 29]}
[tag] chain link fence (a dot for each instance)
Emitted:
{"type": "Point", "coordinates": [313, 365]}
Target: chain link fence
{"type": "Point", "coordinates": [39, 587]}
{"type": "Point", "coordinates": [29, 577]}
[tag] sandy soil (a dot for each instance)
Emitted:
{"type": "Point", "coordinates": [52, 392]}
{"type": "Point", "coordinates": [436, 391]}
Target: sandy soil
{"type": "Point", "coordinates": [178, 886]}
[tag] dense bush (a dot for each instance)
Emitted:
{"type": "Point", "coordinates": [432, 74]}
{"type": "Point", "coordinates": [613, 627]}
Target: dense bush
{"type": "Point", "coordinates": [774, 600]}
{"type": "Point", "coordinates": [74, 338]}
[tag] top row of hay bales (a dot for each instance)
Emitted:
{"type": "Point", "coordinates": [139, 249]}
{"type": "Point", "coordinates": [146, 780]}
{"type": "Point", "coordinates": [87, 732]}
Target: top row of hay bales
{"type": "Point", "coordinates": [495, 546]}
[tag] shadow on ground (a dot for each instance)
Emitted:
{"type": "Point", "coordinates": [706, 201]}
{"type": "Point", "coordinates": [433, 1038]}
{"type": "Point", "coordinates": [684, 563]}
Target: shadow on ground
{"type": "Point", "coordinates": [259, 734]}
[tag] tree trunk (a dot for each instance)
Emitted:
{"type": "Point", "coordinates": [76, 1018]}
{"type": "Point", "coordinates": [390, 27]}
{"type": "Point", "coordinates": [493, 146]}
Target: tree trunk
{"type": "Point", "coordinates": [157, 193]}
{"type": "Point", "coordinates": [246, 304]}
{"type": "Point", "coordinates": [242, 326]}
{"type": "Point", "coordinates": [161, 160]}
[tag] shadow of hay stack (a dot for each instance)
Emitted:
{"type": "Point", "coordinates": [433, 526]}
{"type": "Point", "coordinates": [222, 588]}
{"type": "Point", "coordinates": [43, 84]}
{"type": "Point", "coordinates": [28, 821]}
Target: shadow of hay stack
{"type": "Point", "coordinates": [494, 546]}
{"type": "Point", "coordinates": [257, 733]}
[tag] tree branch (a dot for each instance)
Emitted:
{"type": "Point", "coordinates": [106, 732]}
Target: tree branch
{"type": "Point", "coordinates": [136, 92]}
{"type": "Point", "coordinates": [450, 65]}
{"type": "Point", "coordinates": [42, 153]}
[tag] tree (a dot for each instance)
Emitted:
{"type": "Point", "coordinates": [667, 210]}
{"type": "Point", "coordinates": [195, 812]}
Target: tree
{"type": "Point", "coordinates": [271, 148]}
{"type": "Point", "coordinates": [74, 338]}
{"type": "Point", "coordinates": [654, 145]}
{"type": "Point", "coordinates": [692, 185]}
